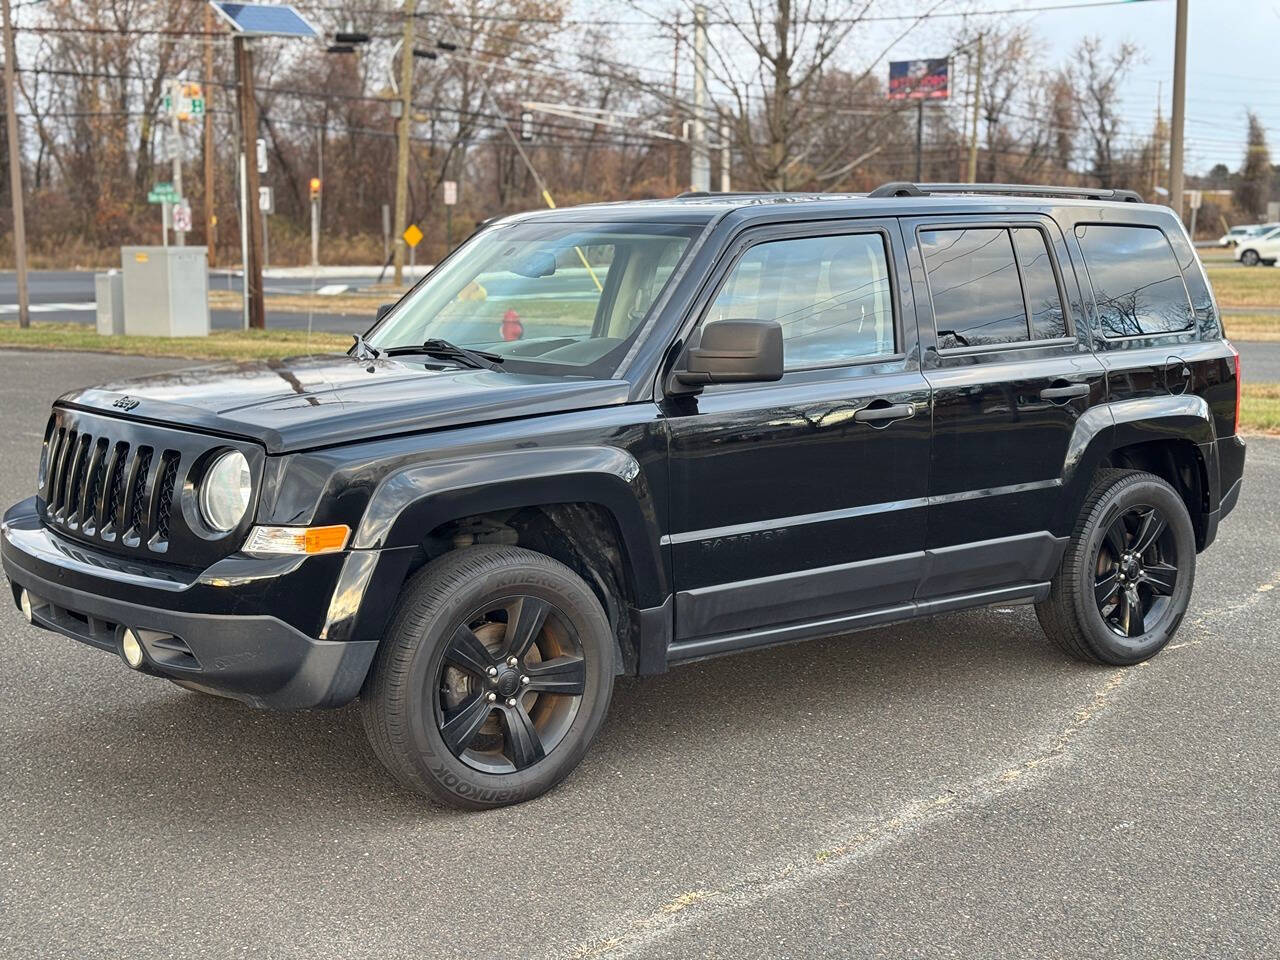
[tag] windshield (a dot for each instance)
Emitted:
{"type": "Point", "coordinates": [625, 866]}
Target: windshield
{"type": "Point", "coordinates": [546, 296]}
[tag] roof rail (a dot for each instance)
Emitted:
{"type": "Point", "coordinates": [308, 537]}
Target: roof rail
{"type": "Point", "coordinates": [905, 188]}
{"type": "Point", "coordinates": [695, 194]}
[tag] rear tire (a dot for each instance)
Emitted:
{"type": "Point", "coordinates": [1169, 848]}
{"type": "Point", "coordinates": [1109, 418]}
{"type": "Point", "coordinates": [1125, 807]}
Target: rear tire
{"type": "Point", "coordinates": [494, 677]}
{"type": "Point", "coordinates": [1125, 580]}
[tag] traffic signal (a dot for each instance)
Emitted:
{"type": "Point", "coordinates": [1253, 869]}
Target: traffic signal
{"type": "Point", "coordinates": [315, 188]}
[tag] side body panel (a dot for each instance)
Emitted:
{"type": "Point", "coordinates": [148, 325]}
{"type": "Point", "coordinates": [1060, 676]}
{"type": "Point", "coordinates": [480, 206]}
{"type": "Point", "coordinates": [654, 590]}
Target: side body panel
{"type": "Point", "coordinates": [393, 493]}
{"type": "Point", "coordinates": [1001, 437]}
{"type": "Point", "coordinates": [785, 507]}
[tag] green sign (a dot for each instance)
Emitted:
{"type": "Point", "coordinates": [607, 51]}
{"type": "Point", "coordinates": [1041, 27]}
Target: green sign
{"type": "Point", "coordinates": [162, 193]}
{"type": "Point", "coordinates": [187, 106]}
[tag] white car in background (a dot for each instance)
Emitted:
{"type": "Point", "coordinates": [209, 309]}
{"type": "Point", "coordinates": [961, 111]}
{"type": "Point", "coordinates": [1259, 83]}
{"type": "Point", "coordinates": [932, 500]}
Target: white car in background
{"type": "Point", "coordinates": [1244, 231]}
{"type": "Point", "coordinates": [1260, 248]}
{"type": "Point", "coordinates": [1236, 234]}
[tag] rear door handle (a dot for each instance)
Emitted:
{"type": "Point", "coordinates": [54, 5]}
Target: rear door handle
{"type": "Point", "coordinates": [1065, 393]}
{"type": "Point", "coordinates": [896, 411]}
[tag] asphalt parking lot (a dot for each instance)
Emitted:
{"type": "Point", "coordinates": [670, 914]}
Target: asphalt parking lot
{"type": "Point", "coordinates": [951, 788]}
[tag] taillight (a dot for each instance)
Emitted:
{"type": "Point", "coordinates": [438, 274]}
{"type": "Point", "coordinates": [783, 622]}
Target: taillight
{"type": "Point", "coordinates": [1236, 361]}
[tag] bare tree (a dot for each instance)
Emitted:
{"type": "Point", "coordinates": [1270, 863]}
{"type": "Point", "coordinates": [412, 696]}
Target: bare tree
{"type": "Point", "coordinates": [1095, 77]}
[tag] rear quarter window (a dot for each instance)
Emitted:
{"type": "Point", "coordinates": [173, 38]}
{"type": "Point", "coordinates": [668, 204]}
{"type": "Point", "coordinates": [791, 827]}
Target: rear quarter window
{"type": "Point", "coordinates": [1136, 281]}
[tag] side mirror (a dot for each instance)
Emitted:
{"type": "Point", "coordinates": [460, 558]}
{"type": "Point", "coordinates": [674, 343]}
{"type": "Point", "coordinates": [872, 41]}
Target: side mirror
{"type": "Point", "coordinates": [734, 351]}
{"type": "Point", "coordinates": [383, 310]}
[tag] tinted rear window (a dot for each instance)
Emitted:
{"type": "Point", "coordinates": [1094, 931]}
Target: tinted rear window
{"type": "Point", "coordinates": [1136, 280]}
{"type": "Point", "coordinates": [1043, 300]}
{"type": "Point", "coordinates": [973, 280]}
{"type": "Point", "coordinates": [978, 287]}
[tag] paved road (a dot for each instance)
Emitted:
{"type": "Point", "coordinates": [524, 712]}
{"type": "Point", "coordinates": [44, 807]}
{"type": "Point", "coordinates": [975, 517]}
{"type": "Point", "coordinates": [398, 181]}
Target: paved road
{"type": "Point", "coordinates": [948, 788]}
{"type": "Point", "coordinates": [67, 296]}
{"type": "Point", "coordinates": [1260, 362]}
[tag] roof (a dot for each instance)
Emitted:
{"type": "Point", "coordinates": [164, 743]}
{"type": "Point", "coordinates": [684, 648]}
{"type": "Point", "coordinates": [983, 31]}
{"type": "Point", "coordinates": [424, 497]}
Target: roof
{"type": "Point", "coordinates": [894, 199]}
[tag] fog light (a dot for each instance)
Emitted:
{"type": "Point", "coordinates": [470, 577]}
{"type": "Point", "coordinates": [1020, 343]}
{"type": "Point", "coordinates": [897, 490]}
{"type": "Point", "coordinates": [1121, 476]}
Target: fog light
{"type": "Point", "coordinates": [24, 601]}
{"type": "Point", "coordinates": [131, 648]}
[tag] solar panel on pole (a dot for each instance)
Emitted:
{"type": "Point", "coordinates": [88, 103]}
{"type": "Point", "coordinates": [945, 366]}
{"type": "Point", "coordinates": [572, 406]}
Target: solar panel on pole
{"type": "Point", "coordinates": [265, 19]}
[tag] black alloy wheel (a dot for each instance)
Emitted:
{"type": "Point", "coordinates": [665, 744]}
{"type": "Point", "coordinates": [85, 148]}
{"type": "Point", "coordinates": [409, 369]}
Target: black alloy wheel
{"type": "Point", "coordinates": [492, 679]}
{"type": "Point", "coordinates": [1126, 575]}
{"type": "Point", "coordinates": [510, 684]}
{"type": "Point", "coordinates": [1137, 571]}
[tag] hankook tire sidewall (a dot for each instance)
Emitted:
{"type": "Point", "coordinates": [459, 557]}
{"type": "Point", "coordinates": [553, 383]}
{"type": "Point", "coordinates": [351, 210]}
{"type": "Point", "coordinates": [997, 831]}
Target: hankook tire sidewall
{"type": "Point", "coordinates": [583, 612]}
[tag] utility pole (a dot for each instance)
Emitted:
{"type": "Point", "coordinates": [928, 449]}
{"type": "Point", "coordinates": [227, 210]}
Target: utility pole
{"type": "Point", "coordinates": [175, 148]}
{"type": "Point", "coordinates": [316, 185]}
{"type": "Point", "coordinates": [210, 217]}
{"type": "Point", "coordinates": [250, 215]}
{"type": "Point", "coordinates": [402, 132]}
{"type": "Point", "coordinates": [1179, 108]}
{"type": "Point", "coordinates": [673, 155]}
{"type": "Point", "coordinates": [1157, 149]}
{"type": "Point", "coordinates": [15, 169]}
{"type": "Point", "coordinates": [726, 156]}
{"type": "Point", "coordinates": [919, 140]}
{"type": "Point", "coordinates": [977, 99]}
{"type": "Point", "coordinates": [700, 158]}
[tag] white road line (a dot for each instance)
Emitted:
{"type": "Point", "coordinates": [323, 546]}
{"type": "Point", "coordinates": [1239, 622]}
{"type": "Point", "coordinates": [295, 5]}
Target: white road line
{"type": "Point", "coordinates": [87, 305]}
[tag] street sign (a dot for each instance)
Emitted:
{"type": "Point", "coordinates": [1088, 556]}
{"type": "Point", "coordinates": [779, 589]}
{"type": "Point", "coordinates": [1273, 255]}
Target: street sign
{"type": "Point", "coordinates": [188, 103]}
{"type": "Point", "coordinates": [266, 200]}
{"type": "Point", "coordinates": [450, 192]}
{"type": "Point", "coordinates": [262, 155]}
{"type": "Point", "coordinates": [1193, 199]}
{"type": "Point", "coordinates": [526, 126]}
{"type": "Point", "coordinates": [182, 216]}
{"type": "Point", "coordinates": [162, 193]}
{"type": "Point", "coordinates": [412, 235]}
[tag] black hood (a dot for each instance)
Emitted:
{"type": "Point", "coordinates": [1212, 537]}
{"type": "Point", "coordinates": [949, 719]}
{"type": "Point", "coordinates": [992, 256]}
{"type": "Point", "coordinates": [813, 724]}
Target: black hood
{"type": "Point", "coordinates": [302, 402]}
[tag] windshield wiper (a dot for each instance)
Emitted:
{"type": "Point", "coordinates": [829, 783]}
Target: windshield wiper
{"type": "Point", "coordinates": [480, 359]}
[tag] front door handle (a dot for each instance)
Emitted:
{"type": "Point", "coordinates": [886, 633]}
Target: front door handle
{"type": "Point", "coordinates": [1065, 393]}
{"type": "Point", "coordinates": [877, 414]}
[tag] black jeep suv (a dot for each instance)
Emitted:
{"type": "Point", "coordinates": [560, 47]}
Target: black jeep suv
{"type": "Point", "coordinates": [610, 439]}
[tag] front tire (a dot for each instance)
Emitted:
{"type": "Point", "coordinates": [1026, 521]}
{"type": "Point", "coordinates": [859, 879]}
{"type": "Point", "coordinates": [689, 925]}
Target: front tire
{"type": "Point", "coordinates": [493, 678]}
{"type": "Point", "coordinates": [1126, 577]}
{"type": "Point", "coordinates": [1249, 258]}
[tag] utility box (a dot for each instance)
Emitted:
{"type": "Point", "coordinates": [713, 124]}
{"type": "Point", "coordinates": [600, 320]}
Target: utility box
{"type": "Point", "coordinates": [109, 290]}
{"type": "Point", "coordinates": [166, 291]}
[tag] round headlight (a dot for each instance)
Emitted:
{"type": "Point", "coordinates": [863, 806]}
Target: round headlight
{"type": "Point", "coordinates": [225, 491]}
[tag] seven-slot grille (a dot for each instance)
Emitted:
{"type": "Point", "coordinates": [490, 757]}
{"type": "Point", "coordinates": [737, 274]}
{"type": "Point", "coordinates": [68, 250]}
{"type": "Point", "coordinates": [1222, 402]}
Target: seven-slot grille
{"type": "Point", "coordinates": [109, 490]}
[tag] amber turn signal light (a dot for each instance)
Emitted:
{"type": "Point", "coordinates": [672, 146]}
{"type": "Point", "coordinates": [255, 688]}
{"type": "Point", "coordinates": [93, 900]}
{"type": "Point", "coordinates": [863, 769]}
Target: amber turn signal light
{"type": "Point", "coordinates": [299, 540]}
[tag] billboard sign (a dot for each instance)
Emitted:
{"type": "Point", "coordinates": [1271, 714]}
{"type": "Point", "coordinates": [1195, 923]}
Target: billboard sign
{"type": "Point", "coordinates": [919, 80]}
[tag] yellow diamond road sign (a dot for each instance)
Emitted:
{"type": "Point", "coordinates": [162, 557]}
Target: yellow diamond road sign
{"type": "Point", "coordinates": [413, 236]}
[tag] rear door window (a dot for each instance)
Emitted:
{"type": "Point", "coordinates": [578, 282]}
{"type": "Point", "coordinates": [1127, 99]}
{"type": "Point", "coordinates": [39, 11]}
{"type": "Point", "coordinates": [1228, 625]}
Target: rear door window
{"type": "Point", "coordinates": [1136, 281]}
{"type": "Point", "coordinates": [1044, 302]}
{"type": "Point", "coordinates": [991, 286]}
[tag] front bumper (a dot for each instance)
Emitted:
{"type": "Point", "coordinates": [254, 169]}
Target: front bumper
{"type": "Point", "coordinates": [206, 629]}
